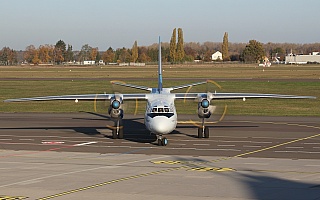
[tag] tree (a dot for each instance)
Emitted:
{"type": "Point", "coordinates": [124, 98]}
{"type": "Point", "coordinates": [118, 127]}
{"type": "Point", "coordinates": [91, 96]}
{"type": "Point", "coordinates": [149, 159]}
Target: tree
{"type": "Point", "coordinates": [45, 53]}
{"type": "Point", "coordinates": [135, 53]}
{"type": "Point", "coordinates": [180, 50]}
{"type": "Point", "coordinates": [69, 54]}
{"type": "Point", "coordinates": [94, 53]}
{"type": "Point", "coordinates": [173, 46]}
{"type": "Point", "coordinates": [108, 56]}
{"type": "Point", "coordinates": [60, 52]}
{"type": "Point", "coordinates": [29, 53]}
{"type": "Point", "coordinates": [253, 52]}
{"type": "Point", "coordinates": [225, 48]}
{"type": "Point", "coordinates": [123, 55]}
{"type": "Point", "coordinates": [8, 56]}
{"type": "Point", "coordinates": [85, 53]}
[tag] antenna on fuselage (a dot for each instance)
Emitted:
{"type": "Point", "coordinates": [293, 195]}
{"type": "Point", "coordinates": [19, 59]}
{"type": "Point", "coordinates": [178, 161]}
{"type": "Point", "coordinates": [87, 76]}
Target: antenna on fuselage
{"type": "Point", "coordinates": [159, 68]}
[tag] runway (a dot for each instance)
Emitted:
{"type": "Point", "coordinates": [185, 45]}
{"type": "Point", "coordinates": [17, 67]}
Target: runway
{"type": "Point", "coordinates": [72, 156]}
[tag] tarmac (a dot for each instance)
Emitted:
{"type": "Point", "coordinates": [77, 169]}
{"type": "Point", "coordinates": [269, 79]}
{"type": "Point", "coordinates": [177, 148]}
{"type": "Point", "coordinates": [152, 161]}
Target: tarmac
{"type": "Point", "coordinates": [72, 156]}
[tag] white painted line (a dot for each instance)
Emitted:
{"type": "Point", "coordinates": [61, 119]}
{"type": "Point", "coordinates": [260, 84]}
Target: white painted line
{"type": "Point", "coordinates": [312, 143]}
{"type": "Point", "coordinates": [83, 144]}
{"type": "Point", "coordinates": [252, 146]}
{"type": "Point", "coordinates": [201, 144]}
{"type": "Point", "coordinates": [261, 142]}
{"type": "Point", "coordinates": [256, 163]}
{"type": "Point", "coordinates": [312, 165]}
{"type": "Point", "coordinates": [296, 152]}
{"type": "Point", "coordinates": [226, 145]}
{"type": "Point", "coordinates": [294, 147]}
{"type": "Point", "coordinates": [181, 144]}
{"type": "Point", "coordinates": [5, 139]}
{"type": "Point", "coordinates": [233, 141]}
{"type": "Point", "coordinates": [218, 150]}
{"type": "Point", "coordinates": [52, 142]}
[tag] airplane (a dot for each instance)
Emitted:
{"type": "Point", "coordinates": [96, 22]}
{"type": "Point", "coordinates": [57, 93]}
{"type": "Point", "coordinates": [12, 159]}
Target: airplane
{"type": "Point", "coordinates": [160, 117]}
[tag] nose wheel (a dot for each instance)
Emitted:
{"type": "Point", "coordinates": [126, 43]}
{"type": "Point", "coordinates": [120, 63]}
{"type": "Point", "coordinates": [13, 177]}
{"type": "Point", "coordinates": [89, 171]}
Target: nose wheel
{"type": "Point", "coordinates": [162, 141]}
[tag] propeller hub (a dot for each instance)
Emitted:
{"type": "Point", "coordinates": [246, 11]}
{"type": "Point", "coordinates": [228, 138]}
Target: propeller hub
{"type": "Point", "coordinates": [205, 103]}
{"type": "Point", "coordinates": [115, 104]}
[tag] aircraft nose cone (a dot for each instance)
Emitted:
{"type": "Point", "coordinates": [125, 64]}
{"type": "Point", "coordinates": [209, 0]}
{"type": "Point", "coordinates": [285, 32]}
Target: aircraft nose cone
{"type": "Point", "coordinates": [162, 125]}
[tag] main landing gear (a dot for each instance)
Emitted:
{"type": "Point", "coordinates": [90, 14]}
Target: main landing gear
{"type": "Point", "coordinates": [162, 141]}
{"type": "Point", "coordinates": [117, 129]}
{"type": "Point", "coordinates": [203, 131]}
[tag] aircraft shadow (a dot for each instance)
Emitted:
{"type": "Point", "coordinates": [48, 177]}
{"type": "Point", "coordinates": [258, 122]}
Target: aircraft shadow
{"type": "Point", "coordinates": [134, 128]}
{"type": "Point", "coordinates": [258, 184]}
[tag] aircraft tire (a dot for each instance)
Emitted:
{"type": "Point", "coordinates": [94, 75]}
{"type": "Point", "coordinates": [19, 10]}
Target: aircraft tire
{"type": "Point", "coordinates": [164, 141]}
{"type": "Point", "coordinates": [114, 134]}
{"type": "Point", "coordinates": [120, 133]}
{"type": "Point", "coordinates": [159, 142]}
{"type": "Point", "coordinates": [200, 134]}
{"type": "Point", "coordinates": [206, 132]}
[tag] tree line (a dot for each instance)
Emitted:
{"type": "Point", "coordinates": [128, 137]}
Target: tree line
{"type": "Point", "coordinates": [175, 51]}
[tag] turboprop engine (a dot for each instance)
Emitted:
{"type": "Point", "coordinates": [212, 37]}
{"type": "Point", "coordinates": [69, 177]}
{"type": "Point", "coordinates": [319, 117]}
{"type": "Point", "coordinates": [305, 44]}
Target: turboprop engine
{"type": "Point", "coordinates": [115, 110]}
{"type": "Point", "coordinates": [205, 109]}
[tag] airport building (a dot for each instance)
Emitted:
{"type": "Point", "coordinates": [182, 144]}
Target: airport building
{"type": "Point", "coordinates": [217, 56]}
{"type": "Point", "coordinates": [303, 59]}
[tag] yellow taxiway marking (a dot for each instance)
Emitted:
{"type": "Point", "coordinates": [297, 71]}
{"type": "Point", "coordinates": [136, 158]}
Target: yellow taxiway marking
{"type": "Point", "coordinates": [4, 197]}
{"type": "Point", "coordinates": [243, 154]}
{"type": "Point", "coordinates": [168, 162]}
{"type": "Point", "coordinates": [185, 163]}
{"type": "Point", "coordinates": [109, 182]}
{"type": "Point", "coordinates": [215, 169]}
{"type": "Point", "coordinates": [282, 144]}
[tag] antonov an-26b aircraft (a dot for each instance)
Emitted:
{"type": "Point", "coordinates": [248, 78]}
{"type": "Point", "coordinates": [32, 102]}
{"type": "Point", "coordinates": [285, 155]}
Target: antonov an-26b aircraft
{"type": "Point", "coordinates": [160, 116]}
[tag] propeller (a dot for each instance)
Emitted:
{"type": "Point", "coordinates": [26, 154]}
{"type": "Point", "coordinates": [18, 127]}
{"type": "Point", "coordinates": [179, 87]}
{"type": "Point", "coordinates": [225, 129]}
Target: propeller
{"type": "Point", "coordinates": [116, 108]}
{"type": "Point", "coordinates": [208, 110]}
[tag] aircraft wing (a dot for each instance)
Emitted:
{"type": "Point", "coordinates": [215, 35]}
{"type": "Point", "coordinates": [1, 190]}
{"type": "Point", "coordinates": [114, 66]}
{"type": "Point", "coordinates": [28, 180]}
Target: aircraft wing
{"type": "Point", "coordinates": [238, 96]}
{"type": "Point", "coordinates": [85, 97]}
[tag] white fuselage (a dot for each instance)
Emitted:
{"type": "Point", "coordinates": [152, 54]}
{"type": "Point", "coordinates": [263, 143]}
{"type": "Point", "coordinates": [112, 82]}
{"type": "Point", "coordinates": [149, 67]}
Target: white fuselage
{"type": "Point", "coordinates": [161, 116]}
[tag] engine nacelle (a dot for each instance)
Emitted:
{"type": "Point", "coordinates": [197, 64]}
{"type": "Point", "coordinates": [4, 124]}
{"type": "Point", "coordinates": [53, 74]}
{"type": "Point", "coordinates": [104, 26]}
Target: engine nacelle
{"type": "Point", "coordinates": [115, 110]}
{"type": "Point", "coordinates": [205, 109]}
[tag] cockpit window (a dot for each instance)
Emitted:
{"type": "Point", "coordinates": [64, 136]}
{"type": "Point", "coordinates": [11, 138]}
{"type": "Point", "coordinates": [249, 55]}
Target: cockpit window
{"type": "Point", "coordinates": [164, 109]}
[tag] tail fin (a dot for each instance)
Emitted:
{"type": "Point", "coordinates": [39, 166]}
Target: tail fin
{"type": "Point", "coordinates": [159, 69]}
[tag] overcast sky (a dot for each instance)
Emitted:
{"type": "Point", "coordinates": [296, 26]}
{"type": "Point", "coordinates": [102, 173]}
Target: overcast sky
{"type": "Point", "coordinates": [115, 23]}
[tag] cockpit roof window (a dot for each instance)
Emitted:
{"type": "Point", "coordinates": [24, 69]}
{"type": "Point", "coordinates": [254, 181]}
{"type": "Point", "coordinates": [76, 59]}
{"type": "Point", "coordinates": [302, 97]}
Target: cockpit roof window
{"type": "Point", "coordinates": [161, 109]}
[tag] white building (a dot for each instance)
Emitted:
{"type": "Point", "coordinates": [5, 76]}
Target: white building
{"type": "Point", "coordinates": [303, 59]}
{"type": "Point", "coordinates": [217, 56]}
{"type": "Point", "coordinates": [89, 62]}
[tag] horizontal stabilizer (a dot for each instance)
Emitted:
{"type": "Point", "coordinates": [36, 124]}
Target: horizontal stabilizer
{"type": "Point", "coordinates": [132, 86]}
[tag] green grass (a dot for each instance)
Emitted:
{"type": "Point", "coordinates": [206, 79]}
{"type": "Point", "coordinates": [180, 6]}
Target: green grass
{"type": "Point", "coordinates": [270, 107]}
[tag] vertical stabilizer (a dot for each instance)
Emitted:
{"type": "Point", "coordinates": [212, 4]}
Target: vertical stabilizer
{"type": "Point", "coordinates": [159, 69]}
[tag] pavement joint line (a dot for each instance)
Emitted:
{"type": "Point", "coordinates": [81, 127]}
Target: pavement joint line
{"type": "Point", "coordinates": [110, 182]}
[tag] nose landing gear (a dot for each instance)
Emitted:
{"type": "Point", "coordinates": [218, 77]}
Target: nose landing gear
{"type": "Point", "coordinates": [162, 141]}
